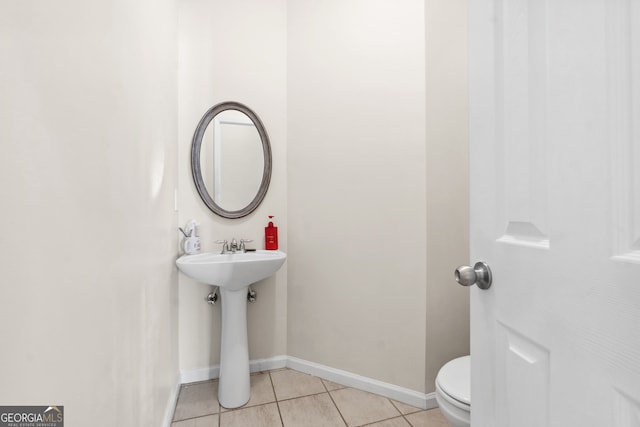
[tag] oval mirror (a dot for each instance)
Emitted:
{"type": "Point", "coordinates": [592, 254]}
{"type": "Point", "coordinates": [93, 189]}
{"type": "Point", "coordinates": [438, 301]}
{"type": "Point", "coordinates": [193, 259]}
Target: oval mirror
{"type": "Point", "coordinates": [231, 160]}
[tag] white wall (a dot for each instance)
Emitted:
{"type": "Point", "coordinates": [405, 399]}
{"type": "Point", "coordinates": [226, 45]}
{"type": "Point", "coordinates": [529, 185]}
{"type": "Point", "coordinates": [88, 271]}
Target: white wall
{"type": "Point", "coordinates": [447, 183]}
{"type": "Point", "coordinates": [378, 186]}
{"type": "Point", "coordinates": [233, 51]}
{"type": "Point", "coordinates": [357, 192]}
{"type": "Point", "coordinates": [88, 169]}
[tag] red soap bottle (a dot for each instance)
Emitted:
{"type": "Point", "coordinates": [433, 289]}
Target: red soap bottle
{"type": "Point", "coordinates": [271, 236]}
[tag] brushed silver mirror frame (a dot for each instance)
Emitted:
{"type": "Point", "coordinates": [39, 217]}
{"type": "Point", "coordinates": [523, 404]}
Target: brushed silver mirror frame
{"type": "Point", "coordinates": [196, 146]}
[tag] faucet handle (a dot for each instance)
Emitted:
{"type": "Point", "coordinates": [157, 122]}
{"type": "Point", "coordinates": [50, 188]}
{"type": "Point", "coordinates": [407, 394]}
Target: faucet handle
{"type": "Point", "coordinates": [225, 246]}
{"type": "Point", "coordinates": [242, 242]}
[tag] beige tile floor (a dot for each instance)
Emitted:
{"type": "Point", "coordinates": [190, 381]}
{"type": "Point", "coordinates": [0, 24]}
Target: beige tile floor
{"type": "Point", "coordinates": [288, 398]}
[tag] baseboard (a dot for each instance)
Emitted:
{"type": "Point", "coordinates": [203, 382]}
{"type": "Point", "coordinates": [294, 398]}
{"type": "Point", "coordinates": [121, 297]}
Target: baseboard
{"type": "Point", "coordinates": [401, 394]}
{"type": "Point", "coordinates": [213, 372]}
{"type": "Point", "coordinates": [171, 404]}
{"type": "Point", "coordinates": [277, 362]}
{"type": "Point", "coordinates": [203, 374]}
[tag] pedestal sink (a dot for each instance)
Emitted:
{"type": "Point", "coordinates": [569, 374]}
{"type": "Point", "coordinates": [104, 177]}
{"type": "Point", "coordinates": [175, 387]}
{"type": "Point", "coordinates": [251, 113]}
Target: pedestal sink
{"type": "Point", "coordinates": [233, 273]}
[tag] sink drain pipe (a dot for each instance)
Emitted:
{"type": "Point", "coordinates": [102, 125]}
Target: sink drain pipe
{"type": "Point", "coordinates": [212, 298]}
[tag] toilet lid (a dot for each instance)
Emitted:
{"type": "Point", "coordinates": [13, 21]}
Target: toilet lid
{"type": "Point", "coordinates": [454, 379]}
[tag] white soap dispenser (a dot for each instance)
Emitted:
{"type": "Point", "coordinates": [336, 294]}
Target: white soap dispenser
{"type": "Point", "coordinates": [191, 242]}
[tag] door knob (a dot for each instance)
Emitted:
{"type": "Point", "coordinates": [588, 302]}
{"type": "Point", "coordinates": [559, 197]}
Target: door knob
{"type": "Point", "coordinates": [479, 274]}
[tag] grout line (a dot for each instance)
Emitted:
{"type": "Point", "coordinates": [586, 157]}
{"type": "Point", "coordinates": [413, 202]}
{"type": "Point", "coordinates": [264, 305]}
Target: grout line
{"type": "Point", "coordinates": [275, 396]}
{"type": "Point", "coordinates": [386, 419]}
{"type": "Point", "coordinates": [336, 406]}
{"type": "Point", "coordinates": [399, 415]}
{"type": "Point", "coordinates": [405, 418]}
{"type": "Point", "coordinates": [325, 385]}
{"type": "Point", "coordinates": [334, 402]}
{"type": "Point", "coordinates": [304, 395]}
{"type": "Point", "coordinates": [394, 405]}
{"type": "Point", "coordinates": [408, 413]}
{"type": "Point", "coordinates": [191, 418]}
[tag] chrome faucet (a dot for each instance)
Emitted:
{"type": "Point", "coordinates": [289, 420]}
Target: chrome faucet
{"type": "Point", "coordinates": [242, 242]}
{"type": "Point", "coordinates": [233, 247]}
{"type": "Point", "coordinates": [225, 246]}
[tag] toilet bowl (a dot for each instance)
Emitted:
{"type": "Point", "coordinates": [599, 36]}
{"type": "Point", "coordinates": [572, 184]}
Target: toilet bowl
{"type": "Point", "coordinates": [453, 391]}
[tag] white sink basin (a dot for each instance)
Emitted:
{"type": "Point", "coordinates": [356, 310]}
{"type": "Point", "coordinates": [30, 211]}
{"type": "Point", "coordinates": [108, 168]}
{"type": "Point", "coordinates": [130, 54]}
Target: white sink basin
{"type": "Point", "coordinates": [231, 271]}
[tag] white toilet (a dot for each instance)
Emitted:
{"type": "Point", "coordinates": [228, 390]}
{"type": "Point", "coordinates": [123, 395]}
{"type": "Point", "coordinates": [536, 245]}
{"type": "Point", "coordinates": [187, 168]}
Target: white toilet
{"type": "Point", "coordinates": [453, 391]}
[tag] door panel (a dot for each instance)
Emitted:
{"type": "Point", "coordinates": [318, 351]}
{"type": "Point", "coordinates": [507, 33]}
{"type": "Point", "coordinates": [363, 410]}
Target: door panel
{"type": "Point", "coordinates": [626, 411]}
{"type": "Point", "coordinates": [624, 124]}
{"type": "Point", "coordinates": [520, 46]}
{"type": "Point", "coordinates": [555, 212]}
{"type": "Point", "coordinates": [519, 357]}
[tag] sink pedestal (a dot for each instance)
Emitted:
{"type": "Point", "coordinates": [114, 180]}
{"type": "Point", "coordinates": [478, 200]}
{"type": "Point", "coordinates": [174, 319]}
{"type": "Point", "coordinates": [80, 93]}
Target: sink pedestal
{"type": "Point", "coordinates": [233, 273]}
{"type": "Point", "coordinates": [233, 386]}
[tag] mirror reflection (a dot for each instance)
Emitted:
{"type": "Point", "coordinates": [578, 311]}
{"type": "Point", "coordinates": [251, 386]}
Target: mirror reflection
{"type": "Point", "coordinates": [231, 160]}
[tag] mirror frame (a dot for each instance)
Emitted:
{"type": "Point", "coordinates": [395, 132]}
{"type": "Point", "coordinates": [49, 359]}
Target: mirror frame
{"type": "Point", "coordinates": [196, 145]}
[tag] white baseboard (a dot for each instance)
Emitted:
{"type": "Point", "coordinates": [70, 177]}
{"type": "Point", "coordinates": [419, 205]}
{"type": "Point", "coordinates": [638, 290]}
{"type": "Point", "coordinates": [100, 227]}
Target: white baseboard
{"type": "Point", "coordinates": [171, 404]}
{"type": "Point", "coordinates": [276, 362]}
{"type": "Point", "coordinates": [203, 374]}
{"type": "Point", "coordinates": [213, 372]}
{"type": "Point", "coordinates": [401, 394]}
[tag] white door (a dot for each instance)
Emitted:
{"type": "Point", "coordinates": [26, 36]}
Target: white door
{"type": "Point", "coordinates": [555, 196]}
